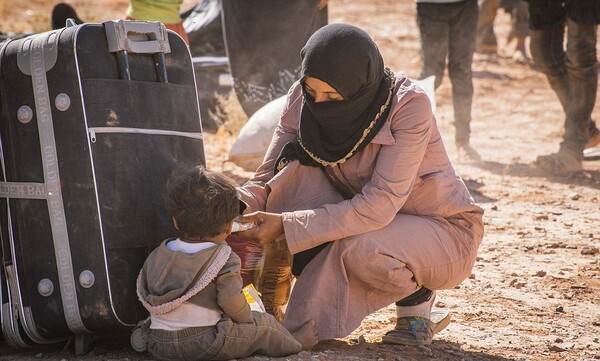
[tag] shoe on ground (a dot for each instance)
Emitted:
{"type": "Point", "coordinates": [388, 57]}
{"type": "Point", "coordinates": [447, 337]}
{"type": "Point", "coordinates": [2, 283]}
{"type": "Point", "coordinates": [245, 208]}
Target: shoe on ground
{"type": "Point", "coordinates": [563, 163]}
{"type": "Point", "coordinates": [594, 139]}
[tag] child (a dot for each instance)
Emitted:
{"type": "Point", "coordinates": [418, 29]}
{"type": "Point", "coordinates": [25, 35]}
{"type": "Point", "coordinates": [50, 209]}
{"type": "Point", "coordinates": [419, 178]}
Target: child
{"type": "Point", "coordinates": [192, 286]}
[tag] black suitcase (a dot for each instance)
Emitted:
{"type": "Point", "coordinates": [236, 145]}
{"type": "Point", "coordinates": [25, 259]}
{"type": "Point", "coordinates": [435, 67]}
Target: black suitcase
{"type": "Point", "coordinates": [94, 118]}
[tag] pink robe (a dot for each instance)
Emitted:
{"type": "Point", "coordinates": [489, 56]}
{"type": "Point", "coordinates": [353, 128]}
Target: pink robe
{"type": "Point", "coordinates": [412, 222]}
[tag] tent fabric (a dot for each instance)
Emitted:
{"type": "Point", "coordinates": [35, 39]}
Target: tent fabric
{"type": "Point", "coordinates": [263, 40]}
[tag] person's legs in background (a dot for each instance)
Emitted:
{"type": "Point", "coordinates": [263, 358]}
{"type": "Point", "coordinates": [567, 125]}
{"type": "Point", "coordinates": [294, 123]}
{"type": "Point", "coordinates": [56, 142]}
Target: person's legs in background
{"type": "Point", "coordinates": [463, 27]}
{"type": "Point", "coordinates": [432, 20]}
{"type": "Point", "coordinates": [549, 55]}
{"type": "Point", "coordinates": [486, 38]}
{"type": "Point", "coordinates": [519, 11]}
{"type": "Point", "coordinates": [573, 77]}
{"type": "Point", "coordinates": [582, 70]}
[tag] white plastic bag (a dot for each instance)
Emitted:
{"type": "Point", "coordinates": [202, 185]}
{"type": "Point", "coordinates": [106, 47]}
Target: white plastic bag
{"type": "Point", "coordinates": [250, 147]}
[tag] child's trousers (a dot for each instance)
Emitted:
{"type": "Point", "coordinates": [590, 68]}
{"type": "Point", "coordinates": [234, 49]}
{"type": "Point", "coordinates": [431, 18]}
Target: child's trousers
{"type": "Point", "coordinates": [224, 341]}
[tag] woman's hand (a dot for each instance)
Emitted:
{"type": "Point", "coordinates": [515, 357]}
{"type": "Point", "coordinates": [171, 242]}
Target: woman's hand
{"type": "Point", "coordinates": [269, 226]}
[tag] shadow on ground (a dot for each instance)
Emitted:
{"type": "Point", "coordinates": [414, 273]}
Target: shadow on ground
{"type": "Point", "coordinates": [590, 179]}
{"type": "Point", "coordinates": [439, 350]}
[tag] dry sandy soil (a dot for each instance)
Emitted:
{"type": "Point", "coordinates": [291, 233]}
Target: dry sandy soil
{"type": "Point", "coordinates": [535, 290]}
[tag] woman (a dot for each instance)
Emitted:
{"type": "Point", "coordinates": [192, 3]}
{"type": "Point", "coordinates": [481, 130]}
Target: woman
{"type": "Point", "coordinates": [358, 186]}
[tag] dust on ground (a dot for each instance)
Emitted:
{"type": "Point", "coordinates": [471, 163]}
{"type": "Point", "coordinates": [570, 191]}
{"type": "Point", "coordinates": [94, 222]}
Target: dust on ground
{"type": "Point", "coordinates": [535, 290]}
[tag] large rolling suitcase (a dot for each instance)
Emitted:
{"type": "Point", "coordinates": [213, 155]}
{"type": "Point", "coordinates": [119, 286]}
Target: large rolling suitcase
{"type": "Point", "coordinates": [94, 118]}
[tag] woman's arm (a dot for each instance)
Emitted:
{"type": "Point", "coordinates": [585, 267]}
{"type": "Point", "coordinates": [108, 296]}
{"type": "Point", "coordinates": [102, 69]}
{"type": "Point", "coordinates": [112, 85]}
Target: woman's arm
{"type": "Point", "coordinates": [381, 198]}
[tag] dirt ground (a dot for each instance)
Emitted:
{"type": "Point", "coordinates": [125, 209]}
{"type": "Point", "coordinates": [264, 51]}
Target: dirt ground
{"type": "Point", "coordinates": [535, 290]}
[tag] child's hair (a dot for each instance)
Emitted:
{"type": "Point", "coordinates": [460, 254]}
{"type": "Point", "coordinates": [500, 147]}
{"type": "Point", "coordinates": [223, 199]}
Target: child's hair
{"type": "Point", "coordinates": [201, 202]}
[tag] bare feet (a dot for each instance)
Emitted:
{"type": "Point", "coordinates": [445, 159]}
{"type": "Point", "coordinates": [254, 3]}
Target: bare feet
{"type": "Point", "coordinates": [307, 335]}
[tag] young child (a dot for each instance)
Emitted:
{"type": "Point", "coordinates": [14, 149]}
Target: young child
{"type": "Point", "coordinates": [192, 286]}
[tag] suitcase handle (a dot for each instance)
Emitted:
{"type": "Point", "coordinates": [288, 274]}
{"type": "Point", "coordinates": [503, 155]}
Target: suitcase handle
{"type": "Point", "coordinates": [142, 37]}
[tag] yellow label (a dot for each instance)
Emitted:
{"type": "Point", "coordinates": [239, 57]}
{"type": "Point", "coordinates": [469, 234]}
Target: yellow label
{"type": "Point", "coordinates": [248, 291]}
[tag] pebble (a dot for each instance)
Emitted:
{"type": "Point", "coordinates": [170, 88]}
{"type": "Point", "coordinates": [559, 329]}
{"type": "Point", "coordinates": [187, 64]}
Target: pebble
{"type": "Point", "coordinates": [589, 251]}
{"type": "Point", "coordinates": [560, 309]}
{"type": "Point", "coordinates": [540, 273]}
{"type": "Point", "coordinates": [573, 196]}
{"type": "Point", "coordinates": [494, 208]}
{"type": "Point", "coordinates": [540, 217]}
{"type": "Point", "coordinates": [39, 355]}
{"type": "Point", "coordinates": [440, 304]}
{"type": "Point", "coordinates": [426, 350]}
{"type": "Point", "coordinates": [517, 284]}
{"type": "Point", "coordinates": [558, 340]}
{"type": "Point", "coordinates": [555, 348]}
{"type": "Point", "coordinates": [361, 339]}
{"type": "Point", "coordinates": [455, 353]}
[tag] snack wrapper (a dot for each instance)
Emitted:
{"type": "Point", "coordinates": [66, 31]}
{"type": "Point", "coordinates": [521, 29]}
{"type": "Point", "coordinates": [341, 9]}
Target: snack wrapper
{"type": "Point", "coordinates": [241, 226]}
{"type": "Point", "coordinates": [253, 298]}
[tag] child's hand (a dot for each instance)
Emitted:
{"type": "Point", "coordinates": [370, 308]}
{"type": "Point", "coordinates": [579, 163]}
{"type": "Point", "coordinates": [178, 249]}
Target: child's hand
{"type": "Point", "coordinates": [269, 226]}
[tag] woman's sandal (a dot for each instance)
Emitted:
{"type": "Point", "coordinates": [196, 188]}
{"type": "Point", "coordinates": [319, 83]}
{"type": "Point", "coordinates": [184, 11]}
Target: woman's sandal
{"type": "Point", "coordinates": [416, 331]}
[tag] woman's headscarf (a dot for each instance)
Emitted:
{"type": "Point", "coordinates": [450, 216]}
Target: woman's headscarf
{"type": "Point", "coordinates": [346, 58]}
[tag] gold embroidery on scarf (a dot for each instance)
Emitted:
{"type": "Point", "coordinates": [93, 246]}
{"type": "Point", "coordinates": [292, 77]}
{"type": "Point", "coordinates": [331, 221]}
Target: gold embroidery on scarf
{"type": "Point", "coordinates": [365, 132]}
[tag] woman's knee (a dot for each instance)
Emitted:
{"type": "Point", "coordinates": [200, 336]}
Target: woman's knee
{"type": "Point", "coordinates": [367, 262]}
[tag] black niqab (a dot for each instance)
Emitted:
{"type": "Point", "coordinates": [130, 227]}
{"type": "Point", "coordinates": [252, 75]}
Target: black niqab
{"type": "Point", "coordinates": [346, 58]}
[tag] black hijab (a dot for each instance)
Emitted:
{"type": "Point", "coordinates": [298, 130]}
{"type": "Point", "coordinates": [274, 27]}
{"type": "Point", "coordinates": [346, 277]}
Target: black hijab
{"type": "Point", "coordinates": [346, 58]}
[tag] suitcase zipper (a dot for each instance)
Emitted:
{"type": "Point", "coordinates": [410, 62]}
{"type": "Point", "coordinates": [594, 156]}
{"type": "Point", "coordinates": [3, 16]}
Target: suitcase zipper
{"type": "Point", "coordinates": [95, 130]}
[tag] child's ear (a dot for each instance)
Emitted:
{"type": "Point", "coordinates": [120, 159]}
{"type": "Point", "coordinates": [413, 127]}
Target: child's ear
{"type": "Point", "coordinates": [229, 227]}
{"type": "Point", "coordinates": [175, 223]}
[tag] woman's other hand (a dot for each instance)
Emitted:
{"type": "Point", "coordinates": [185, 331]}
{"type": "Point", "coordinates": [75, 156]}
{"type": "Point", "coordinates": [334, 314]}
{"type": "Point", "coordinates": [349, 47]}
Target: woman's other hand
{"type": "Point", "coordinates": [269, 226]}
